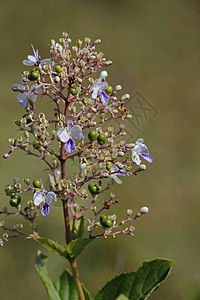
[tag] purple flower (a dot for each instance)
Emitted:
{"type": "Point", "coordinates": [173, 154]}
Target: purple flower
{"type": "Point", "coordinates": [115, 171]}
{"type": "Point", "coordinates": [40, 197]}
{"type": "Point", "coordinates": [138, 151]}
{"type": "Point", "coordinates": [99, 85]}
{"type": "Point", "coordinates": [35, 59]}
{"type": "Point", "coordinates": [66, 135]}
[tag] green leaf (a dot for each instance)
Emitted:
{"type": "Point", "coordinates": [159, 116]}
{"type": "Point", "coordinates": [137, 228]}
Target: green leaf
{"type": "Point", "coordinates": [52, 245]}
{"type": "Point", "coordinates": [76, 247]}
{"type": "Point", "coordinates": [80, 227]}
{"type": "Point", "coordinates": [121, 297]}
{"type": "Point", "coordinates": [137, 285]}
{"type": "Point", "coordinates": [66, 287]}
{"type": "Point", "coordinates": [40, 265]}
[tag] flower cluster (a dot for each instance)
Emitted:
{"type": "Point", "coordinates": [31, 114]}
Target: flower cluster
{"type": "Point", "coordinates": [79, 130]}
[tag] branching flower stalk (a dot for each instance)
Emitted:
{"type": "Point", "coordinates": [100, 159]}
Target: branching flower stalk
{"type": "Point", "coordinates": [81, 129]}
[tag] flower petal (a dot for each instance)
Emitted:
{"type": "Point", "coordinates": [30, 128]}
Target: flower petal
{"type": "Point", "coordinates": [104, 97]}
{"type": "Point", "coordinates": [103, 85]}
{"type": "Point", "coordinates": [140, 141]}
{"type": "Point", "coordinates": [147, 157]}
{"type": "Point", "coordinates": [95, 93]}
{"type": "Point", "coordinates": [135, 157]}
{"type": "Point", "coordinates": [18, 87]}
{"type": "Point", "coordinates": [70, 147]}
{"type": "Point", "coordinates": [63, 135]}
{"type": "Point", "coordinates": [38, 198]}
{"type": "Point", "coordinates": [28, 62]}
{"type": "Point", "coordinates": [23, 99]}
{"type": "Point", "coordinates": [116, 179]}
{"type": "Point", "coordinates": [31, 58]}
{"type": "Point", "coordinates": [46, 61]}
{"type": "Point", "coordinates": [50, 196]}
{"type": "Point", "coordinates": [76, 132]}
{"type": "Point", "coordinates": [45, 209]}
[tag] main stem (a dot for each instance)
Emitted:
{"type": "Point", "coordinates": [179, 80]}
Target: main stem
{"type": "Point", "coordinates": [66, 216]}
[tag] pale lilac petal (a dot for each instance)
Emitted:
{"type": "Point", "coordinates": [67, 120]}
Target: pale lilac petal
{"type": "Point", "coordinates": [32, 58]}
{"type": "Point", "coordinates": [23, 99]}
{"type": "Point", "coordinates": [46, 61]}
{"type": "Point", "coordinates": [91, 88]}
{"type": "Point", "coordinates": [135, 157]}
{"type": "Point", "coordinates": [104, 97]}
{"type": "Point", "coordinates": [45, 209]}
{"type": "Point", "coordinates": [95, 93]}
{"type": "Point", "coordinates": [70, 123]}
{"type": "Point", "coordinates": [140, 141]}
{"type": "Point", "coordinates": [63, 135]}
{"type": "Point", "coordinates": [116, 179]}
{"type": "Point", "coordinates": [38, 198]}
{"type": "Point", "coordinates": [103, 85]}
{"type": "Point", "coordinates": [18, 87]}
{"type": "Point", "coordinates": [28, 62]}
{"type": "Point", "coordinates": [147, 157]}
{"type": "Point", "coordinates": [70, 147]}
{"type": "Point", "coordinates": [50, 196]}
{"type": "Point", "coordinates": [76, 132]}
{"type": "Point", "coordinates": [32, 97]}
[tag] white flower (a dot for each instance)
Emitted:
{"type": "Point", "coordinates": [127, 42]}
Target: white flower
{"type": "Point", "coordinates": [66, 135]}
{"type": "Point", "coordinates": [97, 88]}
{"type": "Point", "coordinates": [117, 172]}
{"type": "Point", "coordinates": [24, 97]}
{"type": "Point", "coordinates": [35, 59]}
{"type": "Point", "coordinates": [46, 199]}
{"type": "Point", "coordinates": [137, 151]}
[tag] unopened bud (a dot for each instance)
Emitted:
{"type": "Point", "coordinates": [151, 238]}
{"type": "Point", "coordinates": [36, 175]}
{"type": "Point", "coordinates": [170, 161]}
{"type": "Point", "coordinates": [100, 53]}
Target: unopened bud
{"type": "Point", "coordinates": [144, 210]}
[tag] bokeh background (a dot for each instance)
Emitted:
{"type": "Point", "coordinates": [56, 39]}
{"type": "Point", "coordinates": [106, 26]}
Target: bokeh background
{"type": "Point", "coordinates": [154, 46]}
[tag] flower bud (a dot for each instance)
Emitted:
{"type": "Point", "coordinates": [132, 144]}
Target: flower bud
{"type": "Point", "coordinates": [57, 79]}
{"type": "Point", "coordinates": [97, 42]}
{"type": "Point", "coordinates": [144, 210]}
{"type": "Point", "coordinates": [129, 212]}
{"type": "Point", "coordinates": [5, 235]}
{"type": "Point", "coordinates": [11, 141]}
{"type": "Point", "coordinates": [104, 74]}
{"type": "Point", "coordinates": [118, 88]}
{"type": "Point", "coordinates": [27, 180]}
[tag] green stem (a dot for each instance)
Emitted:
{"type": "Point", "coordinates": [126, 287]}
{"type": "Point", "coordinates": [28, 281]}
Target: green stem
{"type": "Point", "coordinates": [77, 279]}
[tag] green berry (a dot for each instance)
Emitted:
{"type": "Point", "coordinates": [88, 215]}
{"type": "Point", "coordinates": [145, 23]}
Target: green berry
{"type": "Point", "coordinates": [106, 221]}
{"type": "Point", "coordinates": [108, 165]}
{"type": "Point", "coordinates": [101, 139]}
{"type": "Point", "coordinates": [35, 75]}
{"type": "Point", "coordinates": [73, 91]}
{"type": "Point", "coordinates": [94, 188]}
{"type": "Point", "coordinates": [92, 135]}
{"type": "Point", "coordinates": [109, 90]}
{"type": "Point", "coordinates": [15, 200]}
{"type": "Point", "coordinates": [37, 183]}
{"type": "Point", "coordinates": [58, 68]}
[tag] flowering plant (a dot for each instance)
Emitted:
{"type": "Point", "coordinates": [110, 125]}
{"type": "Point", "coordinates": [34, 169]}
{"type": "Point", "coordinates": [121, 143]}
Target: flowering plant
{"type": "Point", "coordinates": [78, 129]}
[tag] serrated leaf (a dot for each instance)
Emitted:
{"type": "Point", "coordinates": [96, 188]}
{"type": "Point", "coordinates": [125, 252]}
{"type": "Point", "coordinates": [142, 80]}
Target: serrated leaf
{"type": "Point", "coordinates": [40, 265]}
{"type": "Point", "coordinates": [75, 247]}
{"type": "Point", "coordinates": [80, 227]}
{"type": "Point", "coordinates": [137, 285]}
{"type": "Point", "coordinates": [66, 287]}
{"type": "Point", "coordinates": [52, 245]}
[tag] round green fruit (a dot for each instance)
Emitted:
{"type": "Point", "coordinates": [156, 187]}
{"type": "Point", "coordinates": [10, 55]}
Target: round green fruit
{"type": "Point", "coordinates": [58, 68]}
{"type": "Point", "coordinates": [101, 139]}
{"type": "Point", "coordinates": [15, 200]}
{"type": "Point", "coordinates": [92, 135]}
{"type": "Point", "coordinates": [73, 91]}
{"type": "Point", "coordinates": [94, 188]}
{"type": "Point", "coordinates": [106, 221]}
{"type": "Point", "coordinates": [35, 75]}
{"type": "Point", "coordinates": [109, 90]}
{"type": "Point", "coordinates": [37, 183]}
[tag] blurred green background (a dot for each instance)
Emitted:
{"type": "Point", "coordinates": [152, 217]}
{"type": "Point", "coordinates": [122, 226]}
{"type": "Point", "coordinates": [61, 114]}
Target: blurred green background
{"type": "Point", "coordinates": [154, 46]}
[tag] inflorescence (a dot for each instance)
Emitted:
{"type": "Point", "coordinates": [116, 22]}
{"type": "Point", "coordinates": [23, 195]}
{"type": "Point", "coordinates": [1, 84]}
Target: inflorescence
{"type": "Point", "coordinates": [79, 130]}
